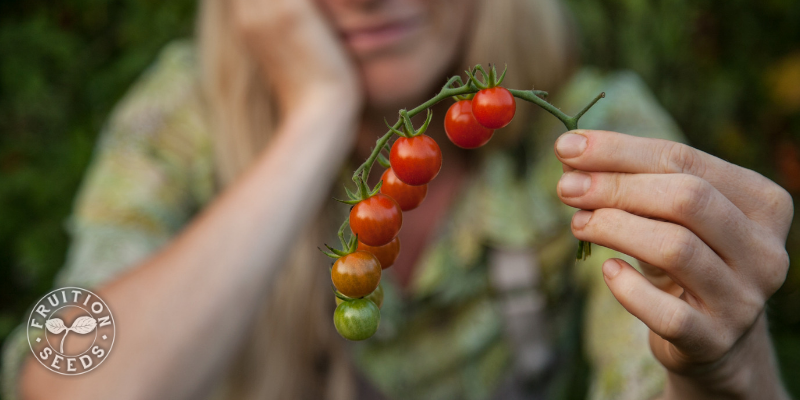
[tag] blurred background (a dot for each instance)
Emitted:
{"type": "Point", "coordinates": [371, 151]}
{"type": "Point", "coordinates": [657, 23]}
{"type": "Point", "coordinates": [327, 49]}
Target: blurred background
{"type": "Point", "coordinates": [727, 70]}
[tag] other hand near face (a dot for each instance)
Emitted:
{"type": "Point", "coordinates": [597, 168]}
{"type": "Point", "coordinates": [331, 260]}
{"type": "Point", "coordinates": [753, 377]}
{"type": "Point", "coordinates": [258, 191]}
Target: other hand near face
{"type": "Point", "coordinates": [298, 51]}
{"type": "Point", "coordinates": [710, 236]}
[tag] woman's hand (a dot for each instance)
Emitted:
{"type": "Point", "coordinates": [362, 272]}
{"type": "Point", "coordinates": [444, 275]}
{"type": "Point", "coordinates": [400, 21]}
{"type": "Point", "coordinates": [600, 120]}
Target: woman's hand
{"type": "Point", "coordinates": [298, 52]}
{"type": "Point", "coordinates": [711, 236]}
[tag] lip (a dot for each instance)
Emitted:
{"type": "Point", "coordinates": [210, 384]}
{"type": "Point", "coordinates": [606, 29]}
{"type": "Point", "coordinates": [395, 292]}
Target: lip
{"type": "Point", "coordinates": [369, 39]}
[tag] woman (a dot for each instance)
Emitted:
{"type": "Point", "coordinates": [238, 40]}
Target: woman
{"type": "Point", "coordinates": [216, 164]}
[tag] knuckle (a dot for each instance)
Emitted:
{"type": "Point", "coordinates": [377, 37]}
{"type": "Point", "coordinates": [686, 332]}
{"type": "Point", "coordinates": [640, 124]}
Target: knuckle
{"type": "Point", "coordinates": [692, 196]}
{"type": "Point", "coordinates": [602, 220]}
{"type": "Point", "coordinates": [681, 159]}
{"type": "Point", "coordinates": [675, 323]}
{"type": "Point", "coordinates": [750, 305]}
{"type": "Point", "coordinates": [616, 190]}
{"type": "Point", "coordinates": [777, 270]}
{"type": "Point", "coordinates": [677, 248]}
{"type": "Point", "coordinates": [726, 340]}
{"type": "Point", "coordinates": [779, 200]}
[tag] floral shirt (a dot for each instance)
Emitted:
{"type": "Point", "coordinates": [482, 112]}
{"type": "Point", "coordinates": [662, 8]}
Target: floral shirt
{"type": "Point", "coordinates": [498, 307]}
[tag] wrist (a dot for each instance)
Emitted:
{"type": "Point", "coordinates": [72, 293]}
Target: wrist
{"type": "Point", "coordinates": [322, 100]}
{"type": "Point", "coordinates": [320, 120]}
{"type": "Point", "coordinates": [748, 371]}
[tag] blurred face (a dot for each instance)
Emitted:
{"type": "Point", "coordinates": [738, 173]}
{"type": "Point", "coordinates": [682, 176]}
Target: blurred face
{"type": "Point", "coordinates": [404, 48]}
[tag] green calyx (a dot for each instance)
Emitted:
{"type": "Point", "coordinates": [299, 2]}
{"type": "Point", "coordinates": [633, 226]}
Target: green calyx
{"type": "Point", "coordinates": [408, 127]}
{"type": "Point", "coordinates": [339, 294]}
{"type": "Point", "coordinates": [489, 79]}
{"type": "Point", "coordinates": [349, 245]}
{"type": "Point", "coordinates": [376, 296]}
{"type": "Point", "coordinates": [363, 192]}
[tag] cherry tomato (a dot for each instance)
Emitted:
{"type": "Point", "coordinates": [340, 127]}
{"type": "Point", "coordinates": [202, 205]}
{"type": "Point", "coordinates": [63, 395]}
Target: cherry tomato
{"type": "Point", "coordinates": [407, 196]}
{"type": "Point", "coordinates": [385, 254]}
{"type": "Point", "coordinates": [357, 319]}
{"type": "Point", "coordinates": [494, 108]}
{"type": "Point", "coordinates": [463, 129]}
{"type": "Point", "coordinates": [376, 297]}
{"type": "Point", "coordinates": [356, 274]}
{"type": "Point", "coordinates": [376, 220]}
{"type": "Point", "coordinates": [416, 160]}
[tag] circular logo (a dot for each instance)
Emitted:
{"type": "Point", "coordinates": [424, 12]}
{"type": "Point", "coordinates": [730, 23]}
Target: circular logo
{"type": "Point", "coordinates": [71, 331]}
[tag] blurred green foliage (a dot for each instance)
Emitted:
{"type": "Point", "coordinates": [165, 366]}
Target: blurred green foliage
{"type": "Point", "coordinates": [729, 71]}
{"type": "Point", "coordinates": [63, 66]}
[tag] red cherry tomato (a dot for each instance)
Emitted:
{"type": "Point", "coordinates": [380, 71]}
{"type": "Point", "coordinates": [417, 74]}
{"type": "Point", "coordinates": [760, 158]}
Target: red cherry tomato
{"type": "Point", "coordinates": [463, 129]}
{"type": "Point", "coordinates": [494, 108]}
{"type": "Point", "coordinates": [416, 160]}
{"type": "Point", "coordinates": [385, 254]}
{"type": "Point", "coordinates": [407, 196]}
{"type": "Point", "coordinates": [376, 220]}
{"type": "Point", "coordinates": [356, 274]}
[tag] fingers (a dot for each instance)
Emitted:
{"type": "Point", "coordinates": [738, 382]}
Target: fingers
{"type": "Point", "coordinates": [684, 199]}
{"type": "Point", "coordinates": [659, 278]}
{"type": "Point", "coordinates": [599, 151]}
{"type": "Point", "coordinates": [666, 315]}
{"type": "Point", "coordinates": [672, 248]}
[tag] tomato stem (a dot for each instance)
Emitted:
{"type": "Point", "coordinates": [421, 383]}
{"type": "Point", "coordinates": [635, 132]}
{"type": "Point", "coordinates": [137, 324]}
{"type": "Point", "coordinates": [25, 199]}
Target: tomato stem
{"type": "Point", "coordinates": [585, 109]}
{"type": "Point", "coordinates": [584, 248]}
{"type": "Point", "coordinates": [345, 224]}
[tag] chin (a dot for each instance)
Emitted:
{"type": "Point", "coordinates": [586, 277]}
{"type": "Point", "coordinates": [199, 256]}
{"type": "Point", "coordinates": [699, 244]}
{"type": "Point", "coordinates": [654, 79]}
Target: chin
{"type": "Point", "coordinates": [399, 82]}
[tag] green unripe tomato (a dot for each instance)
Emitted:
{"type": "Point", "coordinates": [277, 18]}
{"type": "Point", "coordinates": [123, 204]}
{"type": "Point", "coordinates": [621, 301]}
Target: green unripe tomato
{"type": "Point", "coordinates": [357, 319]}
{"type": "Point", "coordinates": [376, 296]}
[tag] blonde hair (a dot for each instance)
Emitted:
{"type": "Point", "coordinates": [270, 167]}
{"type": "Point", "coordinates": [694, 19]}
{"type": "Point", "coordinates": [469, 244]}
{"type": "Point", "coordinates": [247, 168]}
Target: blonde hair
{"type": "Point", "coordinates": [294, 351]}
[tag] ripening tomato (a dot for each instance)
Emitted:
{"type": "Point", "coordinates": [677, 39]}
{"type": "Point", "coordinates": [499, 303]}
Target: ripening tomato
{"type": "Point", "coordinates": [376, 296]}
{"type": "Point", "coordinates": [407, 197]}
{"type": "Point", "coordinates": [376, 220]}
{"type": "Point", "coordinates": [494, 108]}
{"type": "Point", "coordinates": [463, 129]}
{"type": "Point", "coordinates": [357, 319]}
{"type": "Point", "coordinates": [385, 254]}
{"type": "Point", "coordinates": [356, 274]}
{"type": "Point", "coordinates": [416, 160]}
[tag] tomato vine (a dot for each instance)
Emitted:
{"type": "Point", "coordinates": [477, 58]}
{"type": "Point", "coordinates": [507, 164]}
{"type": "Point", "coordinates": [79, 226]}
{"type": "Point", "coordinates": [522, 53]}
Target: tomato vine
{"type": "Point", "coordinates": [415, 159]}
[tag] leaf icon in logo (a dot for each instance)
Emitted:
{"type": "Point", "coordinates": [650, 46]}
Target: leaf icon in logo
{"type": "Point", "coordinates": [55, 325]}
{"type": "Point", "coordinates": [83, 325]}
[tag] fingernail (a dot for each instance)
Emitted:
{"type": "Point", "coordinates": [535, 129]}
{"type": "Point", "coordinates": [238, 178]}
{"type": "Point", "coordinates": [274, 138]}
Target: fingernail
{"type": "Point", "coordinates": [581, 218]}
{"type": "Point", "coordinates": [574, 184]}
{"type": "Point", "coordinates": [611, 268]}
{"type": "Point", "coordinates": [570, 145]}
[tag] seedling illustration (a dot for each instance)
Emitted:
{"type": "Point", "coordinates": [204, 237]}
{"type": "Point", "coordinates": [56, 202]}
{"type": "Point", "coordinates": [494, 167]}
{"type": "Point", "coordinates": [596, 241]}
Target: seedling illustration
{"type": "Point", "coordinates": [82, 325]}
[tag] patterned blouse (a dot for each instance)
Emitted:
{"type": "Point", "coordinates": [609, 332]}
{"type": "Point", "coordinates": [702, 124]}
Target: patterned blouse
{"type": "Point", "coordinates": [498, 307]}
